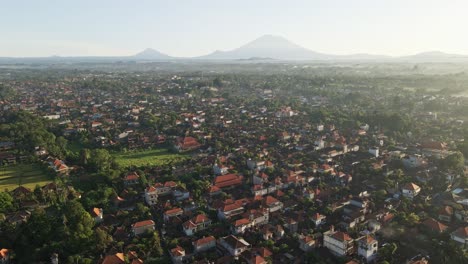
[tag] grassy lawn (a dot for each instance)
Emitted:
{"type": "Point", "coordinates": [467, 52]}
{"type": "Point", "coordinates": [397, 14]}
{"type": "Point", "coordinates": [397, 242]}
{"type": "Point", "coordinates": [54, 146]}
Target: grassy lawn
{"type": "Point", "coordinates": [154, 157]}
{"type": "Point", "coordinates": [27, 175]}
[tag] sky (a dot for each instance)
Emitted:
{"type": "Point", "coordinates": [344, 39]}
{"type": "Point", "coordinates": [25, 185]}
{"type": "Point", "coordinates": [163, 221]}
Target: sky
{"type": "Point", "coordinates": [184, 28]}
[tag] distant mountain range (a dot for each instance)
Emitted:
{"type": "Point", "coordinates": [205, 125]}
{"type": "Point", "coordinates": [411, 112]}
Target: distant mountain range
{"type": "Point", "coordinates": [267, 47]}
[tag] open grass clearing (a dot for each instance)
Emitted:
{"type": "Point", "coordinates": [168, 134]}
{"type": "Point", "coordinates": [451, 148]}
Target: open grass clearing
{"type": "Point", "coordinates": [153, 157]}
{"type": "Point", "coordinates": [27, 175]}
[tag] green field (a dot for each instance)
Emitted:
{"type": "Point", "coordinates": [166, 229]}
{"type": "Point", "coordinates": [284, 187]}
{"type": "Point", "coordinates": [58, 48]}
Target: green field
{"type": "Point", "coordinates": [154, 157]}
{"type": "Point", "coordinates": [28, 175]}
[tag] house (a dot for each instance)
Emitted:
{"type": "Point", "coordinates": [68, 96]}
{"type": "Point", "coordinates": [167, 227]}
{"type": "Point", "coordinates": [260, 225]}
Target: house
{"type": "Point", "coordinates": [228, 181]}
{"type": "Point", "coordinates": [272, 204]}
{"type": "Point", "coordinates": [318, 219]}
{"type": "Point", "coordinates": [460, 236]}
{"type": "Point", "coordinates": [257, 217]}
{"type": "Point", "coordinates": [410, 190]}
{"type": "Point", "coordinates": [234, 245]}
{"type": "Point", "coordinates": [306, 243]}
{"type": "Point", "coordinates": [204, 244]}
{"type": "Point", "coordinates": [413, 161]}
{"type": "Point", "coordinates": [131, 179]}
{"type": "Point", "coordinates": [96, 213]}
{"type": "Point", "coordinates": [240, 225]}
{"type": "Point", "coordinates": [291, 225]}
{"type": "Point", "coordinates": [256, 259]}
{"type": "Point", "coordinates": [262, 251]}
{"type": "Point", "coordinates": [339, 243]}
{"type": "Point", "coordinates": [142, 227]}
{"type": "Point", "coordinates": [229, 210]}
{"type": "Point", "coordinates": [172, 213]}
{"type": "Point", "coordinates": [21, 192]}
{"type": "Point", "coordinates": [58, 166]}
{"type": "Point", "coordinates": [180, 193]}
{"type": "Point", "coordinates": [4, 256]}
{"type": "Point", "coordinates": [177, 254]}
{"type": "Point", "coordinates": [186, 144]}
{"type": "Point", "coordinates": [197, 223]}
{"type": "Point", "coordinates": [219, 169]}
{"type": "Point", "coordinates": [18, 217]}
{"type": "Point", "coordinates": [434, 225]}
{"type": "Point", "coordinates": [367, 248]}
{"type": "Point", "coordinates": [445, 214]}
{"type": "Point", "coordinates": [461, 215]}
{"type": "Point", "coordinates": [117, 258]}
{"type": "Point", "coordinates": [151, 195]}
{"type": "Point", "coordinates": [214, 190]}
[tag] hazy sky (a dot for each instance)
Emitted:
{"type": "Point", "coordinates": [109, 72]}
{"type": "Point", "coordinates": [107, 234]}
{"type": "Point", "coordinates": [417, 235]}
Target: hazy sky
{"type": "Point", "coordinates": [198, 27]}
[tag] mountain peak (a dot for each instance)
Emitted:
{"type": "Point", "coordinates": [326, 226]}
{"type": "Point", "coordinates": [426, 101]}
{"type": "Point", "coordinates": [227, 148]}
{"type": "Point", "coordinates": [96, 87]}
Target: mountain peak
{"type": "Point", "coordinates": [150, 53]}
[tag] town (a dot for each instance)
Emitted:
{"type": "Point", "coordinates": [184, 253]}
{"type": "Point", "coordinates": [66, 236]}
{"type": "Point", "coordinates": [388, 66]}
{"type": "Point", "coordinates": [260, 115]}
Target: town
{"type": "Point", "coordinates": [252, 163]}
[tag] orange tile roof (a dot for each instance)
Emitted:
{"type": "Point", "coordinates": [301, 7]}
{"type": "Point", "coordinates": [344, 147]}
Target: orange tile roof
{"type": "Point", "coordinates": [178, 251]}
{"type": "Point", "coordinates": [411, 186]}
{"type": "Point", "coordinates": [96, 212]}
{"type": "Point", "coordinates": [4, 252]}
{"type": "Point", "coordinates": [118, 258]}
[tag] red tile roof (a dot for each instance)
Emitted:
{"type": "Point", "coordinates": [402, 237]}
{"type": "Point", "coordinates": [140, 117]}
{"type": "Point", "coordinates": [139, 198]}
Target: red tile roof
{"type": "Point", "coordinates": [435, 225]}
{"type": "Point", "coordinates": [241, 222]}
{"type": "Point", "coordinates": [201, 218]}
{"type": "Point", "coordinates": [132, 176]}
{"type": "Point", "coordinates": [228, 180]}
{"type": "Point", "coordinates": [203, 241]}
{"type": "Point", "coordinates": [461, 232]}
{"type": "Point", "coordinates": [269, 200]}
{"type": "Point", "coordinates": [341, 236]}
{"type": "Point", "coordinates": [174, 211]}
{"type": "Point", "coordinates": [230, 207]}
{"type": "Point", "coordinates": [143, 223]}
{"type": "Point", "coordinates": [118, 258]}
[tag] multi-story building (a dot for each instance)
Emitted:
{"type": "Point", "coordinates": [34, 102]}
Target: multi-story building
{"type": "Point", "coordinates": [339, 243]}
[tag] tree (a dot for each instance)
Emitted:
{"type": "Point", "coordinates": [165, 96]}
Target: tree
{"type": "Point", "coordinates": [155, 249]}
{"type": "Point", "coordinates": [101, 160]}
{"type": "Point", "coordinates": [387, 252]}
{"type": "Point", "coordinates": [6, 202]}
{"type": "Point", "coordinates": [454, 162]}
{"type": "Point", "coordinates": [103, 240]}
{"type": "Point", "coordinates": [78, 227]}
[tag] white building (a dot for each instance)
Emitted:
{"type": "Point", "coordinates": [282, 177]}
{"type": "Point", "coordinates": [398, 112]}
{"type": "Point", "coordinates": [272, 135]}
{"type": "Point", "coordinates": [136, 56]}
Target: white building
{"type": "Point", "coordinates": [234, 245]}
{"type": "Point", "coordinates": [410, 190]}
{"type": "Point", "coordinates": [339, 243]}
{"type": "Point", "coordinates": [367, 248]}
{"type": "Point", "coordinates": [374, 151]}
{"type": "Point", "coordinates": [151, 195]}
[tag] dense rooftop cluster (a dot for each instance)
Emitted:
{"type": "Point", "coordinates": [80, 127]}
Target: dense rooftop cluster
{"type": "Point", "coordinates": [252, 174]}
